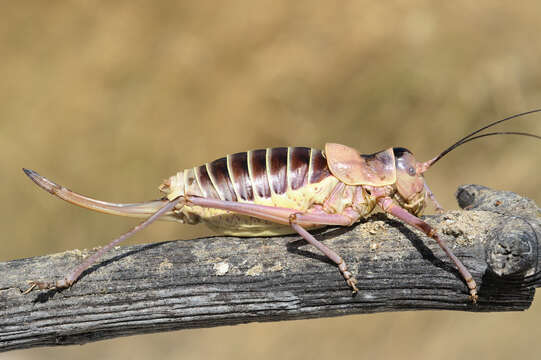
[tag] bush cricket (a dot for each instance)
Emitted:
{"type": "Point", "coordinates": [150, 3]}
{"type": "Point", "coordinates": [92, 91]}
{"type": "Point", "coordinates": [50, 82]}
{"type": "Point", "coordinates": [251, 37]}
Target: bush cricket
{"type": "Point", "coordinates": [285, 190]}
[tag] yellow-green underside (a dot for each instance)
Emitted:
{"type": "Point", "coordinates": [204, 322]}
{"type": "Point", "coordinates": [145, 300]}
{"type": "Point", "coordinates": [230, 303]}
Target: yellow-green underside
{"type": "Point", "coordinates": [229, 223]}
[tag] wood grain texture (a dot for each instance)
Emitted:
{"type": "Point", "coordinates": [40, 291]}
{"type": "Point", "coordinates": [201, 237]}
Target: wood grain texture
{"type": "Point", "coordinates": [228, 280]}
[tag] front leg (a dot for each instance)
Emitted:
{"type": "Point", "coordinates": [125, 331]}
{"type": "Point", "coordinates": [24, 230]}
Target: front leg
{"type": "Point", "coordinates": [386, 203]}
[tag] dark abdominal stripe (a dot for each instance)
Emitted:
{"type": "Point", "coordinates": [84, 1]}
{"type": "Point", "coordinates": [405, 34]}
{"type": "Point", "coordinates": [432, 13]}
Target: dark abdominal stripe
{"type": "Point", "coordinates": [261, 172]}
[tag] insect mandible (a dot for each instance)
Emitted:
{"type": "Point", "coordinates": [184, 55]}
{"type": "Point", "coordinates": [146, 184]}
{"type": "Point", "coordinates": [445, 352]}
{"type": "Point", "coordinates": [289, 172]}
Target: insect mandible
{"type": "Point", "coordinates": [285, 190]}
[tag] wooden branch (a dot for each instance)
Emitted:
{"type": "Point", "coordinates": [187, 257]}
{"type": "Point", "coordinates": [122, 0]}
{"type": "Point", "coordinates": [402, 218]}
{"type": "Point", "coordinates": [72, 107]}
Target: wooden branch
{"type": "Point", "coordinates": [227, 280]}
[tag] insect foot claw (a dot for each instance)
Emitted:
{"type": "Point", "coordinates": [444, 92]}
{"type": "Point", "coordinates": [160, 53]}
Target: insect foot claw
{"type": "Point", "coordinates": [42, 285]}
{"type": "Point", "coordinates": [46, 285]}
{"type": "Point", "coordinates": [32, 286]}
{"type": "Point", "coordinates": [351, 282]}
{"type": "Point", "coordinates": [473, 296]}
{"type": "Point", "coordinates": [473, 290]}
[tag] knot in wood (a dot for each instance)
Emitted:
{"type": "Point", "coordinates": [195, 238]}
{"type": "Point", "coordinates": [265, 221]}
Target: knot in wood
{"type": "Point", "coordinates": [512, 248]}
{"type": "Point", "coordinates": [479, 197]}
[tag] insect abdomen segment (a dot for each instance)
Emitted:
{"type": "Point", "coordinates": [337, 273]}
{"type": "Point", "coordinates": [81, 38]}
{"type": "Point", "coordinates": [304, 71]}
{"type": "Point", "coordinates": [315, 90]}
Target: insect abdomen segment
{"type": "Point", "coordinates": [247, 176]}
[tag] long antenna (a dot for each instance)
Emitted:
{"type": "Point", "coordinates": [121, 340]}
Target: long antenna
{"type": "Point", "coordinates": [471, 137]}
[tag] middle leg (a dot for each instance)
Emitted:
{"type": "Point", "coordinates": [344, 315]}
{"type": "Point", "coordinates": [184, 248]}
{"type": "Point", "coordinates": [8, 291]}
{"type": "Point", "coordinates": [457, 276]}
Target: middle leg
{"type": "Point", "coordinates": [386, 203]}
{"type": "Point", "coordinates": [297, 220]}
{"type": "Point", "coordinates": [350, 280]}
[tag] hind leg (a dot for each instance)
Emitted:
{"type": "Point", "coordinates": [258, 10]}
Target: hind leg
{"type": "Point", "coordinates": [67, 281]}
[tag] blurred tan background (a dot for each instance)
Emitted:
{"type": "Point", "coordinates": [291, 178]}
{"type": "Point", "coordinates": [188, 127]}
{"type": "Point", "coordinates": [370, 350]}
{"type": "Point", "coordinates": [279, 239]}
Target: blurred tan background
{"type": "Point", "coordinates": [109, 98]}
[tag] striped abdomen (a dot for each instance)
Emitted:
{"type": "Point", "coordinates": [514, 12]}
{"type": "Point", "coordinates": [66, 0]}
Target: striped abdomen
{"type": "Point", "coordinates": [253, 175]}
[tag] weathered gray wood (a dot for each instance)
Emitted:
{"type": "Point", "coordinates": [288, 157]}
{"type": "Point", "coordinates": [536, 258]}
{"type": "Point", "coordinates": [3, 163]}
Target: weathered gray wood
{"type": "Point", "coordinates": [227, 280]}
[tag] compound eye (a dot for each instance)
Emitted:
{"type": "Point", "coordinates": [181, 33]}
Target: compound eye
{"type": "Point", "coordinates": [411, 171]}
